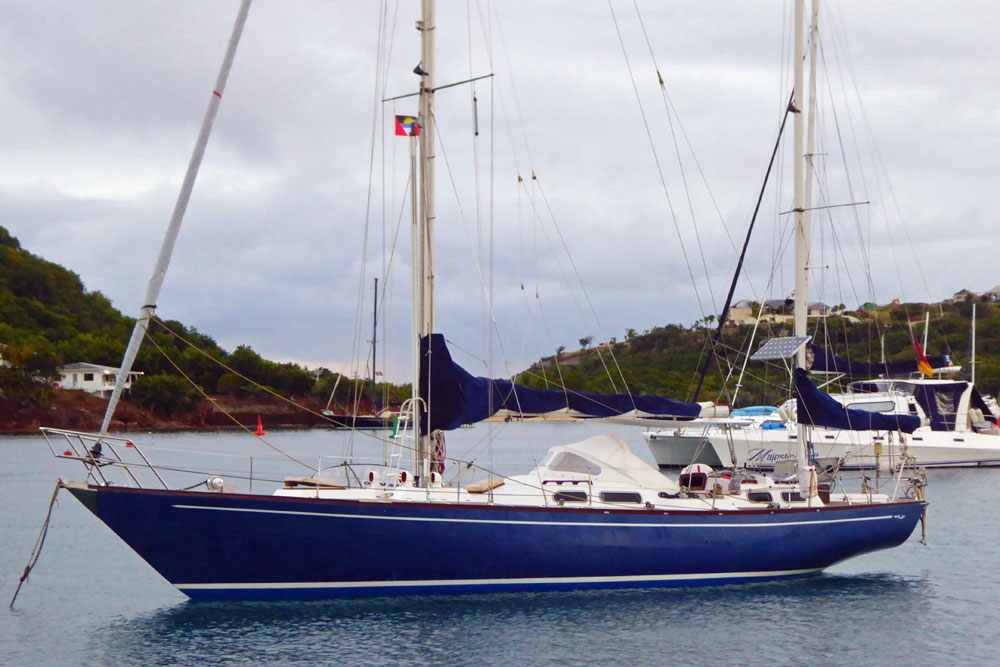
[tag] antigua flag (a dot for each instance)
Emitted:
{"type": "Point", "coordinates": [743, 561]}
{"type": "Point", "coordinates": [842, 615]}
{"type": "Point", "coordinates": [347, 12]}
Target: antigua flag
{"type": "Point", "coordinates": [406, 126]}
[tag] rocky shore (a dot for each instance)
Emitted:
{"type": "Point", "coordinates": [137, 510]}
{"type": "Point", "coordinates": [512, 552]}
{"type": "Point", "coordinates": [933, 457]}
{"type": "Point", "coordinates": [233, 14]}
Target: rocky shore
{"type": "Point", "coordinates": [79, 411]}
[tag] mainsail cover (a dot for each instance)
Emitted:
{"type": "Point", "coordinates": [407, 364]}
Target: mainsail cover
{"type": "Point", "coordinates": [456, 397]}
{"type": "Point", "coordinates": [815, 408]}
{"type": "Point", "coordinates": [825, 361]}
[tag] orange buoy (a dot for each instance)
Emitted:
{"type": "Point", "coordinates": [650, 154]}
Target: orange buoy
{"type": "Point", "coordinates": [260, 427]}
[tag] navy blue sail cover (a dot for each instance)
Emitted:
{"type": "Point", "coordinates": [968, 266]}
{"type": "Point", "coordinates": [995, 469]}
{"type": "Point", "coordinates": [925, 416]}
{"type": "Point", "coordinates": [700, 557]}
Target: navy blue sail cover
{"type": "Point", "coordinates": [815, 408]}
{"type": "Point", "coordinates": [825, 361]}
{"type": "Point", "coordinates": [456, 397]}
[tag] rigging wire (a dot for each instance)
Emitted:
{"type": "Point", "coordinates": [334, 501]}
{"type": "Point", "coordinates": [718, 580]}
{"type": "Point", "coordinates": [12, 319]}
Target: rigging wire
{"type": "Point", "coordinates": [299, 406]}
{"type": "Point", "coordinates": [535, 184]}
{"type": "Point", "coordinates": [677, 152]}
{"type": "Point", "coordinates": [204, 393]}
{"type": "Point", "coordinates": [746, 243]}
{"type": "Point", "coordinates": [879, 168]}
{"type": "Point", "coordinates": [656, 159]}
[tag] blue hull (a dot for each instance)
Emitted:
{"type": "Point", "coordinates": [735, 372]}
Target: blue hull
{"type": "Point", "coordinates": [215, 546]}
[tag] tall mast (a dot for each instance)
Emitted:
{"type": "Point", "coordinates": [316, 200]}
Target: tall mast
{"type": "Point", "coordinates": [801, 233]}
{"type": "Point", "coordinates": [427, 155]}
{"type": "Point", "coordinates": [174, 228]}
{"type": "Point", "coordinates": [810, 143]}
{"type": "Point", "coordinates": [806, 470]}
{"type": "Point", "coordinates": [416, 281]}
{"type": "Point", "coordinates": [424, 310]}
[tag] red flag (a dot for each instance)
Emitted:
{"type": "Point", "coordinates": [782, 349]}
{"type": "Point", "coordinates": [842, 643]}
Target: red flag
{"type": "Point", "coordinates": [407, 126]}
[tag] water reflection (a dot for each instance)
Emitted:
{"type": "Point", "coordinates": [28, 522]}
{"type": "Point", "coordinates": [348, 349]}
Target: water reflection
{"type": "Point", "coordinates": [648, 625]}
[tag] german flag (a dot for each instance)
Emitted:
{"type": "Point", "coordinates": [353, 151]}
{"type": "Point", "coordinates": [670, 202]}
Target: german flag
{"type": "Point", "coordinates": [922, 364]}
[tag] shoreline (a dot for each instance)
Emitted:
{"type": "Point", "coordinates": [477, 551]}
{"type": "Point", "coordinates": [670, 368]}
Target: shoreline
{"type": "Point", "coordinates": [75, 410]}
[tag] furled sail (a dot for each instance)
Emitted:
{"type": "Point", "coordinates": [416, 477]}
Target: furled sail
{"type": "Point", "coordinates": [815, 408]}
{"type": "Point", "coordinates": [825, 361]}
{"type": "Point", "coordinates": [456, 397]}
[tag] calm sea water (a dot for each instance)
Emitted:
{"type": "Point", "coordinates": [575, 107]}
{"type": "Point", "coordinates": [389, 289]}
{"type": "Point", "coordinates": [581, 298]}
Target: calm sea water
{"type": "Point", "coordinates": [90, 600]}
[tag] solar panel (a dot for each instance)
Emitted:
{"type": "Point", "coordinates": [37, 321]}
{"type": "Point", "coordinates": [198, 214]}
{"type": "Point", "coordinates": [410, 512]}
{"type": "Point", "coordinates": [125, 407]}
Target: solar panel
{"type": "Point", "coordinates": [780, 348]}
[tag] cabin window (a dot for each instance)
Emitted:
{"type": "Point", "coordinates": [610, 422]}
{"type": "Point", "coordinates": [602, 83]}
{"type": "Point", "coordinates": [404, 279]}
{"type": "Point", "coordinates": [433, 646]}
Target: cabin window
{"type": "Point", "coordinates": [109, 379]}
{"type": "Point", "coordinates": [570, 497]}
{"type": "Point", "coordinates": [621, 497]}
{"type": "Point", "coordinates": [792, 496]}
{"type": "Point", "coordinates": [759, 497]}
{"type": "Point", "coordinates": [875, 406]}
{"type": "Point", "coordinates": [88, 377]}
{"type": "Point", "coordinates": [569, 462]}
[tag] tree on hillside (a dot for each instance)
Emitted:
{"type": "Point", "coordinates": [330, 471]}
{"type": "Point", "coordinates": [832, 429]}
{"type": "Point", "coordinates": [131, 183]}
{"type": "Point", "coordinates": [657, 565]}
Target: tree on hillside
{"type": "Point", "coordinates": [247, 363]}
{"type": "Point", "coordinates": [163, 394]}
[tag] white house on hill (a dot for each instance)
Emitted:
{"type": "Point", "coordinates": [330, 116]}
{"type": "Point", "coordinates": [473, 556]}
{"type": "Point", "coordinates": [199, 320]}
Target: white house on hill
{"type": "Point", "coordinates": [92, 378]}
{"type": "Point", "coordinates": [742, 311]}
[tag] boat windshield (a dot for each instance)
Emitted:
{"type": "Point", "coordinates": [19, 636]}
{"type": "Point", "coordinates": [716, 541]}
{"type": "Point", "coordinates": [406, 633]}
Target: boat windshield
{"type": "Point", "coordinates": [570, 462]}
{"type": "Point", "coordinates": [877, 386]}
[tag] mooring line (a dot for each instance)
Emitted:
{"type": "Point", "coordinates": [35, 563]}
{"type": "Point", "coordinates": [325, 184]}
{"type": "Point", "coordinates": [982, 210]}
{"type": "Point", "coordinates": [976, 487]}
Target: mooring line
{"type": "Point", "coordinates": [37, 551]}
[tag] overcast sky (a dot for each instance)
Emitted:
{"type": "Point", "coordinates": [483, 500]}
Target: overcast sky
{"type": "Point", "coordinates": [101, 103]}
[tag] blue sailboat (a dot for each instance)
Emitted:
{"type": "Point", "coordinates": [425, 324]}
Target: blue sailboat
{"type": "Point", "coordinates": [591, 514]}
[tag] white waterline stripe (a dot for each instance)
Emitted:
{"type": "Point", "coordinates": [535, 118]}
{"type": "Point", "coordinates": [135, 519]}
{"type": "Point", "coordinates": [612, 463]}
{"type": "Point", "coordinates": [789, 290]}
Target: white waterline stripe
{"type": "Point", "coordinates": [498, 582]}
{"type": "Point", "coordinates": [326, 515]}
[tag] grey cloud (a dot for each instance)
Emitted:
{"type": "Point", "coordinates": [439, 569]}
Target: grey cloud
{"type": "Point", "coordinates": [102, 103]}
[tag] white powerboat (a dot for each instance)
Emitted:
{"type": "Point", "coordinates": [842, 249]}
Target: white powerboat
{"type": "Point", "coordinates": [957, 428]}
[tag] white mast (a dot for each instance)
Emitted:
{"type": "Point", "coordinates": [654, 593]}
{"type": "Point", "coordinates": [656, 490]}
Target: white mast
{"type": "Point", "coordinates": [806, 472]}
{"type": "Point", "coordinates": [427, 156]}
{"type": "Point", "coordinates": [173, 229]}
{"type": "Point", "coordinates": [810, 142]}
{"type": "Point", "coordinates": [927, 327]}
{"type": "Point", "coordinates": [416, 280]}
{"type": "Point", "coordinates": [972, 362]}
{"type": "Point", "coordinates": [801, 233]}
{"type": "Point", "coordinates": [424, 315]}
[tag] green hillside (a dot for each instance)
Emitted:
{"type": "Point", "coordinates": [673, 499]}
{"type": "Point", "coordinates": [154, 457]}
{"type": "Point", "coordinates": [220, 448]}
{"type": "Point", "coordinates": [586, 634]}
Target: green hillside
{"type": "Point", "coordinates": [665, 360]}
{"type": "Point", "coordinates": [48, 318]}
